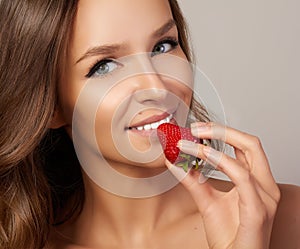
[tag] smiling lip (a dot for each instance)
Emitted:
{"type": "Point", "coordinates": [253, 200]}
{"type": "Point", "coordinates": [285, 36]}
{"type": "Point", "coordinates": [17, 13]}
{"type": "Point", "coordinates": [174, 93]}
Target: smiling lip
{"type": "Point", "coordinates": [151, 122]}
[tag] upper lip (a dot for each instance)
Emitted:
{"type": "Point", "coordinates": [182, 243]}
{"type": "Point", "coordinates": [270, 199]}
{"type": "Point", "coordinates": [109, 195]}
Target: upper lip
{"type": "Point", "coordinates": [152, 119]}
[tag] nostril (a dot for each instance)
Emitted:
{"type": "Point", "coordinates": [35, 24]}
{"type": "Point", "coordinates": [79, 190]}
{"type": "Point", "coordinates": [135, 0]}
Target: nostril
{"type": "Point", "coordinates": [151, 95]}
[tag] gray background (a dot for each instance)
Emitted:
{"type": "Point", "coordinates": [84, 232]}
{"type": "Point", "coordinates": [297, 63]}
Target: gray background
{"type": "Point", "coordinates": [250, 51]}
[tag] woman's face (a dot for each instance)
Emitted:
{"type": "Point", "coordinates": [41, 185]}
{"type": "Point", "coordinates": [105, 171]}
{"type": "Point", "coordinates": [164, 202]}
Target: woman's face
{"type": "Point", "coordinates": [115, 47]}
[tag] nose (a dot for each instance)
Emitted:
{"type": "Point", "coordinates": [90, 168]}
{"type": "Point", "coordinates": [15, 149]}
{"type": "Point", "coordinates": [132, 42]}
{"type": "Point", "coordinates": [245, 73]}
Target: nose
{"type": "Point", "coordinates": [149, 85]}
{"type": "Point", "coordinates": [150, 88]}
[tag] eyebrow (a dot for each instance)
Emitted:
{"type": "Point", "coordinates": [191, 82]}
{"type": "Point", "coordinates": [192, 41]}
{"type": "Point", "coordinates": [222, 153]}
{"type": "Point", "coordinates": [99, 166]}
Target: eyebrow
{"type": "Point", "coordinates": [112, 48]}
{"type": "Point", "coordinates": [104, 49]}
{"type": "Point", "coordinates": [164, 29]}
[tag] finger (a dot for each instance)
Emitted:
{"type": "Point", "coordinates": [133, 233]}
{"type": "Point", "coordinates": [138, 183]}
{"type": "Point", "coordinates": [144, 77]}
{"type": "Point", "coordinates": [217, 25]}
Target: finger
{"type": "Point", "coordinates": [197, 185]}
{"type": "Point", "coordinates": [230, 166]}
{"type": "Point", "coordinates": [245, 182]}
{"type": "Point", "coordinates": [195, 149]}
{"type": "Point", "coordinates": [217, 159]}
{"type": "Point", "coordinates": [231, 136]}
{"type": "Point", "coordinates": [244, 144]}
{"type": "Point", "coordinates": [198, 150]}
{"type": "Point", "coordinates": [241, 157]}
{"type": "Point", "coordinates": [247, 145]}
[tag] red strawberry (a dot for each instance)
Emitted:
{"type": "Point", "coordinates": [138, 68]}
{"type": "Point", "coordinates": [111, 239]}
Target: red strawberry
{"type": "Point", "coordinates": [169, 135]}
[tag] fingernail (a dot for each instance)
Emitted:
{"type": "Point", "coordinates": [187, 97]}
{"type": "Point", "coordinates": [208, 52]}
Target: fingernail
{"type": "Point", "coordinates": [213, 156]}
{"type": "Point", "coordinates": [198, 128]}
{"type": "Point", "coordinates": [178, 172]}
{"type": "Point", "coordinates": [188, 147]}
{"type": "Point", "coordinates": [202, 178]}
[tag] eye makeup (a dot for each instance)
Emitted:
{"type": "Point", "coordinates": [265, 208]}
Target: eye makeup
{"type": "Point", "coordinates": [106, 66]}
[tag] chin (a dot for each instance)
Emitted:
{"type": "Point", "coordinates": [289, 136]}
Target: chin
{"type": "Point", "coordinates": [139, 170]}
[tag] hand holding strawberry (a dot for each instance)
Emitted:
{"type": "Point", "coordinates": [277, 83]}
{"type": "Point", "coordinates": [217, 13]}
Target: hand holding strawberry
{"type": "Point", "coordinates": [242, 217]}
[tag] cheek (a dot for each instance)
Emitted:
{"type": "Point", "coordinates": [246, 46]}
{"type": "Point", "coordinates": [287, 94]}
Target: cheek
{"type": "Point", "coordinates": [186, 94]}
{"type": "Point", "coordinates": [104, 116]}
{"type": "Point", "coordinates": [182, 90]}
{"type": "Point", "coordinates": [177, 74]}
{"type": "Point", "coordinates": [104, 119]}
{"type": "Point", "coordinates": [188, 97]}
{"type": "Point", "coordinates": [110, 103]}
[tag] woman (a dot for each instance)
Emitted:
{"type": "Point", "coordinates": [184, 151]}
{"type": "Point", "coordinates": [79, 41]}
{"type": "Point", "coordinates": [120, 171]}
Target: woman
{"type": "Point", "coordinates": [51, 52]}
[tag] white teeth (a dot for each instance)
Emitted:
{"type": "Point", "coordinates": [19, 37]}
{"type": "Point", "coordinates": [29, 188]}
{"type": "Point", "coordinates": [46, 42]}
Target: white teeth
{"type": "Point", "coordinates": [161, 122]}
{"type": "Point", "coordinates": [147, 127]}
{"type": "Point", "coordinates": [155, 124]}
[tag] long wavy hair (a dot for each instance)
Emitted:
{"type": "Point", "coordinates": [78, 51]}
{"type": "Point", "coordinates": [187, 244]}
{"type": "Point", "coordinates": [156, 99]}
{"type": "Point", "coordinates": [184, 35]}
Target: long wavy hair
{"type": "Point", "coordinates": [40, 177]}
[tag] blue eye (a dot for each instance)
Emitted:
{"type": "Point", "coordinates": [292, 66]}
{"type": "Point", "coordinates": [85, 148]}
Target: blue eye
{"type": "Point", "coordinates": [164, 46]}
{"type": "Point", "coordinates": [102, 68]}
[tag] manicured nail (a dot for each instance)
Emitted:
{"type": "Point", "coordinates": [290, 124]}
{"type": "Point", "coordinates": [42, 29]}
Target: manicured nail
{"type": "Point", "coordinates": [178, 172]}
{"type": "Point", "coordinates": [198, 128]}
{"type": "Point", "coordinates": [202, 178]}
{"type": "Point", "coordinates": [213, 156]}
{"type": "Point", "coordinates": [188, 147]}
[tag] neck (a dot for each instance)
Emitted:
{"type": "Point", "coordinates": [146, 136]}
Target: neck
{"type": "Point", "coordinates": [126, 220]}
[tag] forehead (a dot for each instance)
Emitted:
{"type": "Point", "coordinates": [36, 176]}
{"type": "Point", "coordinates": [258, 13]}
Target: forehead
{"type": "Point", "coordinates": [101, 22]}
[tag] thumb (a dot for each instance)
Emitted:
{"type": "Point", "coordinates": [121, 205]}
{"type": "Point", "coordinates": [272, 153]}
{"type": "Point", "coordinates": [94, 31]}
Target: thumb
{"type": "Point", "coordinates": [195, 183]}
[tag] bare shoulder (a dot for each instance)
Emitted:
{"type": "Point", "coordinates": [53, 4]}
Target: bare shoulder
{"type": "Point", "coordinates": [286, 226]}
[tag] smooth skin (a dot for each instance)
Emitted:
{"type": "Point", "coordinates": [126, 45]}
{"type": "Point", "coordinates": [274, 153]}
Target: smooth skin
{"type": "Point", "coordinates": [251, 212]}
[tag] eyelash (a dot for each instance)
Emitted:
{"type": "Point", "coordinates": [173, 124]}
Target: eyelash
{"type": "Point", "coordinates": [171, 40]}
{"type": "Point", "coordinates": [96, 67]}
{"type": "Point", "coordinates": [93, 69]}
